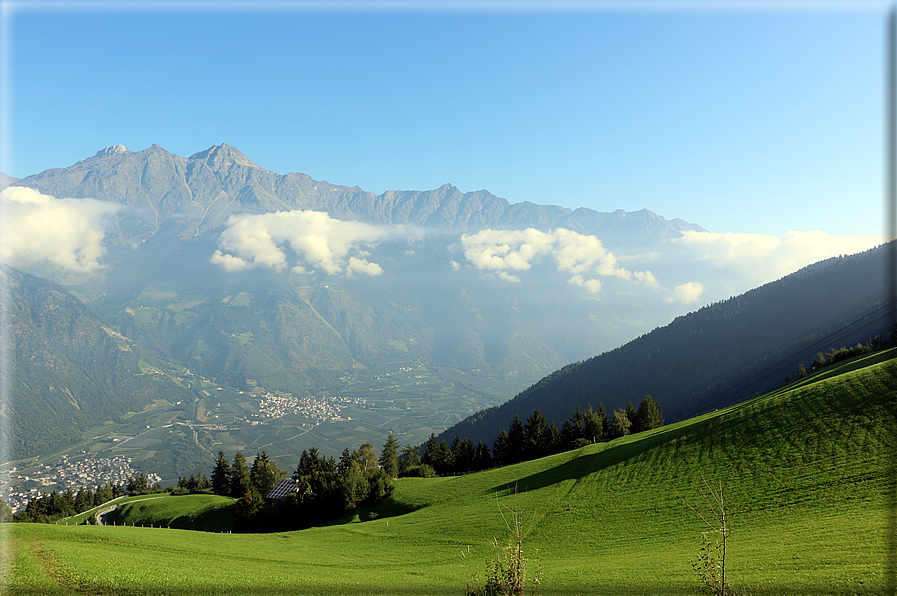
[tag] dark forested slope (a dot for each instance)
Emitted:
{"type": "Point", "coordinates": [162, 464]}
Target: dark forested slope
{"type": "Point", "coordinates": [720, 354]}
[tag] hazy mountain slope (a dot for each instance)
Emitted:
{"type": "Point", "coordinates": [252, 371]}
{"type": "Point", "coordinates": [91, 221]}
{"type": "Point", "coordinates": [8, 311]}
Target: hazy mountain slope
{"type": "Point", "coordinates": [67, 369]}
{"type": "Point", "coordinates": [721, 354]}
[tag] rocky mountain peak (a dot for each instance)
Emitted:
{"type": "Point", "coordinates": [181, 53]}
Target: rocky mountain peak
{"type": "Point", "coordinates": [111, 150]}
{"type": "Point", "coordinates": [217, 156]}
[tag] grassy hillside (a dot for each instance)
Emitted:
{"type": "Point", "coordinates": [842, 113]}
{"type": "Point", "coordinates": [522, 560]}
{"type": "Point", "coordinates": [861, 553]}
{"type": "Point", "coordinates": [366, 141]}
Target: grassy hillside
{"type": "Point", "coordinates": [188, 512]}
{"type": "Point", "coordinates": [805, 472]}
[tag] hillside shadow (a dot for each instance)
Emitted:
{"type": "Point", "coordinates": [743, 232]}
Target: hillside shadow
{"type": "Point", "coordinates": [613, 455]}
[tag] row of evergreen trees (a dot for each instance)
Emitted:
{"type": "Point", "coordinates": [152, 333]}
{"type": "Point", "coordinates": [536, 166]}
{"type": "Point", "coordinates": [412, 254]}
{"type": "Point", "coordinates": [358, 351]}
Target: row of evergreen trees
{"type": "Point", "coordinates": [56, 505]}
{"type": "Point", "coordinates": [537, 438]}
{"type": "Point", "coordinates": [324, 486]}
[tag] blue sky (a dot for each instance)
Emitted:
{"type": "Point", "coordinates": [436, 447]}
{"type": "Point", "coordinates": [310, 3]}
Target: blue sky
{"type": "Point", "coordinates": [744, 119]}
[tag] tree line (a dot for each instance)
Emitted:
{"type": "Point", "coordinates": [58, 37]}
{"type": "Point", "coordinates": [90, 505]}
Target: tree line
{"type": "Point", "coordinates": [56, 505]}
{"type": "Point", "coordinates": [536, 438]}
{"type": "Point", "coordinates": [322, 486]}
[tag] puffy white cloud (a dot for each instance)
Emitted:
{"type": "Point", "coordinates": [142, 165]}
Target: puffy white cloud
{"type": "Point", "coordinates": [502, 251]}
{"type": "Point", "coordinates": [67, 232]}
{"type": "Point", "coordinates": [592, 285]}
{"type": "Point", "coordinates": [229, 262]}
{"type": "Point", "coordinates": [647, 278]}
{"type": "Point", "coordinates": [759, 258]}
{"type": "Point", "coordinates": [316, 240]}
{"type": "Point", "coordinates": [687, 293]}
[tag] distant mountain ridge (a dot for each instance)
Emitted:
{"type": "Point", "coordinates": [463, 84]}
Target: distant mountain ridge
{"type": "Point", "coordinates": [206, 188]}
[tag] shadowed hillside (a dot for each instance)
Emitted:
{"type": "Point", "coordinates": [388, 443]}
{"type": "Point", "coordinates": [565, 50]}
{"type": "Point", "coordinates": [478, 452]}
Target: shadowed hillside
{"type": "Point", "coordinates": [720, 354]}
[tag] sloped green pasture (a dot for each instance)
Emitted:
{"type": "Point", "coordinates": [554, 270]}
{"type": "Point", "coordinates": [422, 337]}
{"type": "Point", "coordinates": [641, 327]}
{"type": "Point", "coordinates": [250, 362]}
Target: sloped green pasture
{"type": "Point", "coordinates": [188, 512]}
{"type": "Point", "coordinates": [805, 472]}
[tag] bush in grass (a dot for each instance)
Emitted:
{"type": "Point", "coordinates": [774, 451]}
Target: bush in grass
{"type": "Point", "coordinates": [421, 471]}
{"type": "Point", "coordinates": [507, 573]}
{"type": "Point", "coordinates": [710, 565]}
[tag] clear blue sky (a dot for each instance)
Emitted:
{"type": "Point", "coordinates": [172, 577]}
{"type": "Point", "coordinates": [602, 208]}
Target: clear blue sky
{"type": "Point", "coordinates": [741, 119]}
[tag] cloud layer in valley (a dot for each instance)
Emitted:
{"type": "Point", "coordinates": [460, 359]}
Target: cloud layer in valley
{"type": "Point", "coordinates": [315, 240]}
{"type": "Point", "coordinates": [759, 259]}
{"type": "Point", "coordinates": [506, 252]}
{"type": "Point", "coordinates": [66, 232]}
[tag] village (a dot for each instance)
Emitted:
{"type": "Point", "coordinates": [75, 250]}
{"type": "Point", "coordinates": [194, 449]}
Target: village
{"type": "Point", "coordinates": [322, 409]}
{"type": "Point", "coordinates": [19, 487]}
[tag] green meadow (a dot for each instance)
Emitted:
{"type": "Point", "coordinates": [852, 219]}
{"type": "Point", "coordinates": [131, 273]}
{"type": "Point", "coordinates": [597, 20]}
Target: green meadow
{"type": "Point", "coordinates": [805, 472]}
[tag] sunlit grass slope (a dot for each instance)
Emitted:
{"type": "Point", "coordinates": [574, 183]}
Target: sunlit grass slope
{"type": "Point", "coordinates": [805, 473]}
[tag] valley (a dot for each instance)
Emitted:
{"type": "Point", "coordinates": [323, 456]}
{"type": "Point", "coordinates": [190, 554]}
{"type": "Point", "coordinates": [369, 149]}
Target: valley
{"type": "Point", "coordinates": [407, 399]}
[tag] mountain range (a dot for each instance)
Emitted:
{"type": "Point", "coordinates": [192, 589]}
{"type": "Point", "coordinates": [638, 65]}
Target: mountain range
{"type": "Point", "coordinates": [279, 282]}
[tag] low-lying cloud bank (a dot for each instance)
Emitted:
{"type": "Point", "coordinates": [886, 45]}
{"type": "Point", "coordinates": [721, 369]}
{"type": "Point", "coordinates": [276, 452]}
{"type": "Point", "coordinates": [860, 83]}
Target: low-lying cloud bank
{"type": "Point", "coordinates": [67, 232]}
{"type": "Point", "coordinates": [759, 258]}
{"type": "Point", "coordinates": [502, 252]}
{"type": "Point", "coordinates": [316, 241]}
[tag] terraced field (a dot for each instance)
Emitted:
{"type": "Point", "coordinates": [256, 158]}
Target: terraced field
{"type": "Point", "coordinates": [806, 472]}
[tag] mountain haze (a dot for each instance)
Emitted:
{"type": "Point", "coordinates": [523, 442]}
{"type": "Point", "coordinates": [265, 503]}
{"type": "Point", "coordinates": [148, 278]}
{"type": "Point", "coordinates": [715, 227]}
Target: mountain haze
{"type": "Point", "coordinates": [721, 354]}
{"type": "Point", "coordinates": [419, 307]}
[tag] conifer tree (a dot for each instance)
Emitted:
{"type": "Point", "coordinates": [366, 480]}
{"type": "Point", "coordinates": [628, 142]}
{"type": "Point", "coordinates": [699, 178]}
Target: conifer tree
{"type": "Point", "coordinates": [221, 475]}
{"type": "Point", "coordinates": [500, 448]}
{"type": "Point", "coordinates": [536, 442]}
{"type": "Point", "coordinates": [632, 415]}
{"type": "Point", "coordinates": [240, 483]}
{"type": "Point", "coordinates": [483, 458]}
{"type": "Point", "coordinates": [649, 414]}
{"type": "Point", "coordinates": [516, 442]}
{"type": "Point", "coordinates": [389, 457]}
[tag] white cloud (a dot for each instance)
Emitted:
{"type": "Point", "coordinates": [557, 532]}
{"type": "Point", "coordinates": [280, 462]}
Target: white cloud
{"type": "Point", "coordinates": [647, 278]}
{"type": "Point", "coordinates": [502, 251]}
{"type": "Point", "coordinates": [229, 262]}
{"type": "Point", "coordinates": [67, 232]}
{"type": "Point", "coordinates": [687, 293]}
{"type": "Point", "coordinates": [315, 239]}
{"type": "Point", "coordinates": [759, 258]}
{"type": "Point", "coordinates": [592, 285]}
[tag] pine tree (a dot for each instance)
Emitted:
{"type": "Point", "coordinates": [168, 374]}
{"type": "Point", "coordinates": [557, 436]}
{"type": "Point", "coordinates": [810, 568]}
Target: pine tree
{"type": "Point", "coordinates": [389, 457]}
{"type": "Point", "coordinates": [500, 448]}
{"type": "Point", "coordinates": [536, 442]}
{"type": "Point", "coordinates": [429, 450]}
{"type": "Point", "coordinates": [221, 475]}
{"type": "Point", "coordinates": [240, 483]}
{"type": "Point", "coordinates": [516, 442]}
{"type": "Point", "coordinates": [632, 415]}
{"type": "Point", "coordinates": [649, 414]}
{"type": "Point", "coordinates": [483, 458]}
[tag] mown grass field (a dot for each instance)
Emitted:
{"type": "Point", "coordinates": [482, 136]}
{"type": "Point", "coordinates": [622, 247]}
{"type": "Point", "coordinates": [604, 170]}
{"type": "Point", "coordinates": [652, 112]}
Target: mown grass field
{"type": "Point", "coordinates": [806, 472]}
